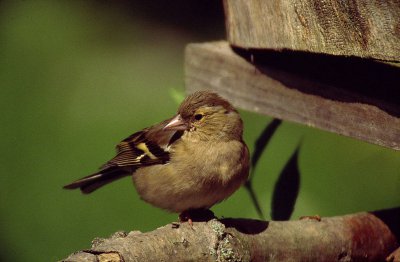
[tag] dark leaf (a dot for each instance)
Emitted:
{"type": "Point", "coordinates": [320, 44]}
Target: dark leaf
{"type": "Point", "coordinates": [263, 140]}
{"type": "Point", "coordinates": [286, 189]}
{"type": "Point", "coordinates": [254, 199]}
{"type": "Point", "coordinates": [260, 145]}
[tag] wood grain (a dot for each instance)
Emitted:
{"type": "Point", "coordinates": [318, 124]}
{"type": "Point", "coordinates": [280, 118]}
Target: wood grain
{"type": "Point", "coordinates": [369, 29]}
{"type": "Point", "coordinates": [347, 96]}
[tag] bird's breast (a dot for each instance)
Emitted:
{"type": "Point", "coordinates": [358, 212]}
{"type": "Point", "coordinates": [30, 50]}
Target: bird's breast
{"type": "Point", "coordinates": [197, 176]}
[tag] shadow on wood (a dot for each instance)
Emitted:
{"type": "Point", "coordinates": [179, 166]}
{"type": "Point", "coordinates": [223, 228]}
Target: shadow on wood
{"type": "Point", "coordinates": [391, 217]}
{"type": "Point", "coordinates": [246, 226]}
{"type": "Point", "coordinates": [368, 81]}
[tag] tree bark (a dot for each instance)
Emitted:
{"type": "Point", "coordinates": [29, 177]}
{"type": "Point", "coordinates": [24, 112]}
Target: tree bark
{"type": "Point", "coordinates": [356, 237]}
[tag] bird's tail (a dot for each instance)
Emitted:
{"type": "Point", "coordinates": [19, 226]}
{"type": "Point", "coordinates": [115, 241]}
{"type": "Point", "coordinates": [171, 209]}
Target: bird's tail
{"type": "Point", "coordinates": [92, 182]}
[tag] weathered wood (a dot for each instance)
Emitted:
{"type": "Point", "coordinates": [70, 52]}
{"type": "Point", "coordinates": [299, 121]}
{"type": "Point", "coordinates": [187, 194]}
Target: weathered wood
{"type": "Point", "coordinates": [348, 96]}
{"type": "Point", "coordinates": [360, 28]}
{"type": "Point", "coordinates": [356, 237]}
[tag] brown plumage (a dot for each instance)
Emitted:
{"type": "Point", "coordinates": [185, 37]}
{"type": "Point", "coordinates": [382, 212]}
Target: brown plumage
{"type": "Point", "coordinates": [193, 160]}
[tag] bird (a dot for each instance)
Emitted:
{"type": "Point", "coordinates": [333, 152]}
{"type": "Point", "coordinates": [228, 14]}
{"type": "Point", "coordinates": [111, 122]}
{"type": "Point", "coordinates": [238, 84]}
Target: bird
{"type": "Point", "coordinates": [189, 162]}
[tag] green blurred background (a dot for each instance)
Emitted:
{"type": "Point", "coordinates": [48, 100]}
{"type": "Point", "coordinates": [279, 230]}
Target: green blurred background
{"type": "Point", "coordinates": [78, 77]}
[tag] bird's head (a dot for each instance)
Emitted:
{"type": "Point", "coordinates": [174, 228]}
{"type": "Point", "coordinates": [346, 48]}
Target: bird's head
{"type": "Point", "coordinates": [207, 116]}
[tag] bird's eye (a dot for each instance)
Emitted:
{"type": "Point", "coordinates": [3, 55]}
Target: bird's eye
{"type": "Point", "coordinates": [198, 117]}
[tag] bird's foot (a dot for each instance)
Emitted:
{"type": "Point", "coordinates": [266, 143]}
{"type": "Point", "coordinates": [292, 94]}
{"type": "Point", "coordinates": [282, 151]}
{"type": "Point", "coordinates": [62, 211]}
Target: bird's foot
{"type": "Point", "coordinates": [196, 215]}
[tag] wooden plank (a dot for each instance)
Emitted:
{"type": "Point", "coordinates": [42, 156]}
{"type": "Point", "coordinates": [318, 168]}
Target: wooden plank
{"type": "Point", "coordinates": [369, 29]}
{"type": "Point", "coordinates": [316, 91]}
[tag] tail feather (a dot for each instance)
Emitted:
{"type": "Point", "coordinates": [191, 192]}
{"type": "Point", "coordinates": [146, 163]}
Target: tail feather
{"type": "Point", "coordinates": [92, 182]}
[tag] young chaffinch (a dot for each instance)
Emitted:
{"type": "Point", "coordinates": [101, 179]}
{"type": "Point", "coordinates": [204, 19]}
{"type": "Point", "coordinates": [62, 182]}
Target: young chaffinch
{"type": "Point", "coordinates": [191, 161]}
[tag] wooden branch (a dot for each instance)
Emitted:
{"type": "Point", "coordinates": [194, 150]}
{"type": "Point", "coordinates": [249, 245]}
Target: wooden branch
{"type": "Point", "coordinates": [368, 29]}
{"type": "Point", "coordinates": [394, 256]}
{"type": "Point", "coordinates": [361, 236]}
{"type": "Point", "coordinates": [348, 96]}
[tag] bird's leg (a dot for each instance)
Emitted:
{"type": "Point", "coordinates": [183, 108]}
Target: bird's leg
{"type": "Point", "coordinates": [198, 215]}
{"type": "Point", "coordinates": [185, 216]}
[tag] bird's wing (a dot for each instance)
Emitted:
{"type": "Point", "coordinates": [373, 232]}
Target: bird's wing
{"type": "Point", "coordinates": [136, 151]}
{"type": "Point", "coordinates": [144, 148]}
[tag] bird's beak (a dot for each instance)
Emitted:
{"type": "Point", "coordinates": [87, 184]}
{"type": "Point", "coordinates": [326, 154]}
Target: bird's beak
{"type": "Point", "coordinates": [176, 123]}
